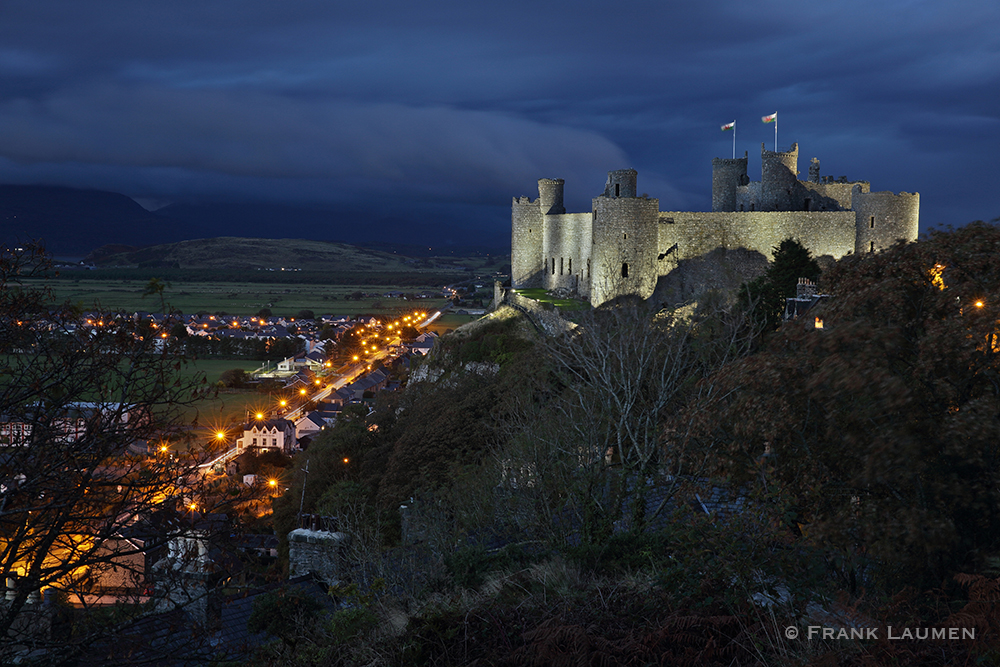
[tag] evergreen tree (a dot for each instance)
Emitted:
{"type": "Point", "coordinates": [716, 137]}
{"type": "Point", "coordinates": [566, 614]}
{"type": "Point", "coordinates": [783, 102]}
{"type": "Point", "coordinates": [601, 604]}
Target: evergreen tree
{"type": "Point", "coordinates": [792, 261]}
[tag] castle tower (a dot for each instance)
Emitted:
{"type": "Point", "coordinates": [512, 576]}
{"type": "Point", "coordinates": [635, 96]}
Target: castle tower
{"type": "Point", "coordinates": [526, 232]}
{"type": "Point", "coordinates": [621, 183]}
{"type": "Point", "coordinates": [882, 218]}
{"type": "Point", "coordinates": [779, 171]}
{"type": "Point", "coordinates": [625, 238]}
{"type": "Point", "coordinates": [727, 175]}
{"type": "Point", "coordinates": [550, 195]}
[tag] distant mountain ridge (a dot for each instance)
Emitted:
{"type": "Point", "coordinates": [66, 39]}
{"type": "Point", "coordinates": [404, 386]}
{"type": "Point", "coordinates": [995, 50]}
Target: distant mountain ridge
{"type": "Point", "coordinates": [74, 222]}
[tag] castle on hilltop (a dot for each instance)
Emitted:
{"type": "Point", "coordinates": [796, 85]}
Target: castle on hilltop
{"type": "Point", "coordinates": [625, 243]}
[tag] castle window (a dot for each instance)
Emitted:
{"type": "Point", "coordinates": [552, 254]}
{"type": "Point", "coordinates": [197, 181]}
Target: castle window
{"type": "Point", "coordinates": [624, 235]}
{"type": "Point", "coordinates": [560, 266]}
{"type": "Point", "coordinates": [617, 189]}
{"type": "Point", "coordinates": [871, 248]}
{"type": "Point", "coordinates": [570, 269]}
{"type": "Point", "coordinates": [807, 204]}
{"type": "Point", "coordinates": [871, 223]}
{"type": "Point", "coordinates": [741, 208]}
{"type": "Point", "coordinates": [624, 269]}
{"type": "Point", "coordinates": [553, 266]}
{"type": "Point", "coordinates": [588, 269]}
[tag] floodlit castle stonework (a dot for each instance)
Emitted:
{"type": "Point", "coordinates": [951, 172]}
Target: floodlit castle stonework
{"type": "Point", "coordinates": [625, 242]}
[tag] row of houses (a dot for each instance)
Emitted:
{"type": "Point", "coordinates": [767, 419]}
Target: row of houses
{"type": "Point", "coordinates": [286, 436]}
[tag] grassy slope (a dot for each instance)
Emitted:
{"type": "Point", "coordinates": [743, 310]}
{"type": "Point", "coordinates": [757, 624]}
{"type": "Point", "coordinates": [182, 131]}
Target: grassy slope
{"type": "Point", "coordinates": [235, 298]}
{"type": "Point", "coordinates": [290, 254]}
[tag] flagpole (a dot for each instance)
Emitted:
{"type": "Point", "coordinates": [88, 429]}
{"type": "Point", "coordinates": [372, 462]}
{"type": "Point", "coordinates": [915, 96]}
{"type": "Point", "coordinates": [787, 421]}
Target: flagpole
{"type": "Point", "coordinates": [734, 139]}
{"type": "Point", "coordinates": [773, 118]}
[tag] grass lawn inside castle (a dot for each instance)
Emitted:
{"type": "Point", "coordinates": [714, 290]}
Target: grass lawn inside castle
{"type": "Point", "coordinates": [543, 296]}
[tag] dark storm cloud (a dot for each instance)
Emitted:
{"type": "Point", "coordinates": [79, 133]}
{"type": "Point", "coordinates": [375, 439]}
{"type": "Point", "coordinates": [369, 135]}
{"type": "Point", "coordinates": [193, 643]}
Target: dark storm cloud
{"type": "Point", "coordinates": [452, 101]}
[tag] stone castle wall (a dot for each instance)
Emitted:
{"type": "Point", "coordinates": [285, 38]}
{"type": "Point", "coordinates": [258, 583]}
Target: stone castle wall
{"type": "Point", "coordinates": [545, 317]}
{"type": "Point", "coordinates": [566, 248]}
{"type": "Point", "coordinates": [696, 234]}
{"type": "Point", "coordinates": [318, 551]}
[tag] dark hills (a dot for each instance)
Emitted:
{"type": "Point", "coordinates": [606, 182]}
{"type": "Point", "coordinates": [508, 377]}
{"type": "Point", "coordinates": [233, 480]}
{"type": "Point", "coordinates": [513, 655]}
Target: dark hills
{"type": "Point", "coordinates": [73, 222]}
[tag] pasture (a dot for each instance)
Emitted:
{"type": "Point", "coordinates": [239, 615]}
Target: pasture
{"type": "Point", "coordinates": [238, 298]}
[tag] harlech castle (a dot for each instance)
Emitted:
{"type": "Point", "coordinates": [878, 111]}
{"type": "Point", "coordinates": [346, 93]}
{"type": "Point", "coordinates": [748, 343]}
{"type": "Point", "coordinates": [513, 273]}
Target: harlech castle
{"type": "Point", "coordinates": [625, 243]}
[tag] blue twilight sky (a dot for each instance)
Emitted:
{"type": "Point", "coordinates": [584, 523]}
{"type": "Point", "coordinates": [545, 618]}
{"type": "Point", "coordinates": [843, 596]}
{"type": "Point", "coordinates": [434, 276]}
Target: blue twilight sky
{"type": "Point", "coordinates": [437, 113]}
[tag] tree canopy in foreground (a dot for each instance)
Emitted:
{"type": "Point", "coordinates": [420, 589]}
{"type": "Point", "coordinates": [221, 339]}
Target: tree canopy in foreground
{"type": "Point", "coordinates": [86, 494]}
{"type": "Point", "coordinates": [884, 425]}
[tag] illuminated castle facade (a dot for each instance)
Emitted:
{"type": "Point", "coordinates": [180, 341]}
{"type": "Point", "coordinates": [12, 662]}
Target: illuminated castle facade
{"type": "Point", "coordinates": [625, 243]}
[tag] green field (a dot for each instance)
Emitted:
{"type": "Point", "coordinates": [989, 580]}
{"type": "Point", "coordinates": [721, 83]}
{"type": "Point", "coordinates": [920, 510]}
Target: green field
{"type": "Point", "coordinates": [223, 408]}
{"type": "Point", "coordinates": [237, 298]}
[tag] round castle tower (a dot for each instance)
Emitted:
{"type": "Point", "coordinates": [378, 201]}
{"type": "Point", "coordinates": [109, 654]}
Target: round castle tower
{"type": "Point", "coordinates": [625, 238]}
{"type": "Point", "coordinates": [527, 229]}
{"type": "Point", "coordinates": [882, 218]}
{"type": "Point", "coordinates": [621, 183]}
{"type": "Point", "coordinates": [727, 175]}
{"type": "Point", "coordinates": [779, 171]}
{"type": "Point", "coordinates": [550, 195]}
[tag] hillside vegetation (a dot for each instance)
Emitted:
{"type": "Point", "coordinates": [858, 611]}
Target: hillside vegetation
{"type": "Point", "coordinates": [667, 487]}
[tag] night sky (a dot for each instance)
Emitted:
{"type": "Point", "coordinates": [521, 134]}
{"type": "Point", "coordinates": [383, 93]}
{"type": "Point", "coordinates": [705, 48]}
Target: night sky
{"type": "Point", "coordinates": [437, 113]}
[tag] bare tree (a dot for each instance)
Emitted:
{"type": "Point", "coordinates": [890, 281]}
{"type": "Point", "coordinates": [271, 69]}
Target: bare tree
{"type": "Point", "coordinates": [83, 404]}
{"type": "Point", "coordinates": [611, 416]}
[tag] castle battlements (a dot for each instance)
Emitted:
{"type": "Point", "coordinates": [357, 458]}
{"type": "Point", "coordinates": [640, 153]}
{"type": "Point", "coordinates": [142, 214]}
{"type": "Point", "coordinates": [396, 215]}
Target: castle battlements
{"type": "Point", "coordinates": [625, 243]}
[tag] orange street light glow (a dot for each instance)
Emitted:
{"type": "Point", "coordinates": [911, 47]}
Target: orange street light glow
{"type": "Point", "coordinates": [272, 482]}
{"type": "Point", "coordinates": [979, 304]}
{"type": "Point", "coordinates": [347, 460]}
{"type": "Point", "coordinates": [302, 391]}
{"type": "Point", "coordinates": [220, 435]}
{"type": "Point", "coordinates": [259, 415]}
